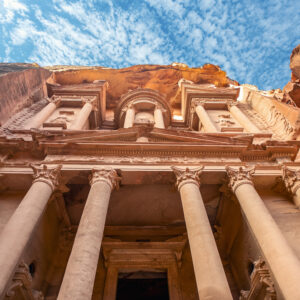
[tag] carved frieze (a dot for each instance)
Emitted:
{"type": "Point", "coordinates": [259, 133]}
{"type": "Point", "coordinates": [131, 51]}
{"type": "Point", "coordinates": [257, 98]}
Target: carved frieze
{"type": "Point", "coordinates": [239, 176]}
{"type": "Point", "coordinates": [49, 175]}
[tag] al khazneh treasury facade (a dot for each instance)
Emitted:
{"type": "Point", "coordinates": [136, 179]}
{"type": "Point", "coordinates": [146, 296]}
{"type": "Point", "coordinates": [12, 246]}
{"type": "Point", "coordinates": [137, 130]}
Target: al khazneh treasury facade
{"type": "Point", "coordinates": [151, 182]}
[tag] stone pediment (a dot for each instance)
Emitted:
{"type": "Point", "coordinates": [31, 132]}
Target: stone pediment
{"type": "Point", "coordinates": [154, 135]}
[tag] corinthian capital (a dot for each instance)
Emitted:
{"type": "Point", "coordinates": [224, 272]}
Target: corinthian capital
{"type": "Point", "coordinates": [49, 175]}
{"type": "Point", "coordinates": [187, 176]}
{"type": "Point", "coordinates": [109, 176]}
{"type": "Point", "coordinates": [291, 179]}
{"type": "Point", "coordinates": [90, 100]}
{"type": "Point", "coordinates": [239, 176]}
{"type": "Point", "coordinates": [55, 99]}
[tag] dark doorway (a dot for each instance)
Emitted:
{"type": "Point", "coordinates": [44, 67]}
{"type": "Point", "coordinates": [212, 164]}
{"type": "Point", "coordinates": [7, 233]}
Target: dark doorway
{"type": "Point", "coordinates": [143, 286]}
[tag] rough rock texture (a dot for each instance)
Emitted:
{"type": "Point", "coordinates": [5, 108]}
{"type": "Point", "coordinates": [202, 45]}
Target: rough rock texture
{"type": "Point", "coordinates": [292, 90]}
{"type": "Point", "coordinates": [295, 62]}
{"type": "Point", "coordinates": [29, 87]}
{"type": "Point", "coordinates": [161, 78]}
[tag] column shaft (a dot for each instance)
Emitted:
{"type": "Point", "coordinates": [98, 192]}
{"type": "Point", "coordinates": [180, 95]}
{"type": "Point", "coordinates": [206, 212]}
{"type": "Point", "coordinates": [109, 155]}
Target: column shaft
{"type": "Point", "coordinates": [296, 198]}
{"type": "Point", "coordinates": [281, 259]}
{"type": "Point", "coordinates": [158, 118]}
{"type": "Point", "coordinates": [41, 116]}
{"type": "Point", "coordinates": [81, 269]}
{"type": "Point", "coordinates": [209, 272]}
{"type": "Point", "coordinates": [129, 117]}
{"type": "Point", "coordinates": [82, 117]}
{"type": "Point", "coordinates": [208, 125]}
{"type": "Point", "coordinates": [19, 229]}
{"type": "Point", "coordinates": [242, 119]}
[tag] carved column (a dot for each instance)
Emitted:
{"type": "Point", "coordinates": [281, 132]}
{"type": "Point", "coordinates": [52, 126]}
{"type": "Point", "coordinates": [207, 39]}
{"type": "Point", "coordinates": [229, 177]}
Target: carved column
{"type": "Point", "coordinates": [282, 261]}
{"type": "Point", "coordinates": [21, 225]}
{"type": "Point", "coordinates": [242, 118]}
{"type": "Point", "coordinates": [204, 118]}
{"type": "Point", "coordinates": [158, 117]}
{"type": "Point", "coordinates": [82, 117]}
{"type": "Point", "coordinates": [44, 114]}
{"type": "Point", "coordinates": [129, 117]}
{"type": "Point", "coordinates": [291, 179]}
{"type": "Point", "coordinates": [81, 269]}
{"type": "Point", "coordinates": [209, 272]}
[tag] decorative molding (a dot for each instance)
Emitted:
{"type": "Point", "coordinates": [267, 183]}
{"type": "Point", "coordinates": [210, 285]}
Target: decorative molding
{"type": "Point", "coordinates": [261, 283]}
{"type": "Point", "coordinates": [46, 174]}
{"type": "Point", "coordinates": [22, 280]}
{"type": "Point", "coordinates": [291, 179]}
{"type": "Point", "coordinates": [187, 175]}
{"type": "Point", "coordinates": [239, 176]}
{"type": "Point", "coordinates": [108, 176]}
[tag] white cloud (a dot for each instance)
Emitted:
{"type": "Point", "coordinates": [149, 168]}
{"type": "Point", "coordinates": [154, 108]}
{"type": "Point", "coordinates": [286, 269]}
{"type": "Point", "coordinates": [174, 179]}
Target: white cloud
{"type": "Point", "coordinates": [8, 9]}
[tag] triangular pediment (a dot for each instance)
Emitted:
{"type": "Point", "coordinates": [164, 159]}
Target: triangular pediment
{"type": "Point", "coordinates": [154, 135]}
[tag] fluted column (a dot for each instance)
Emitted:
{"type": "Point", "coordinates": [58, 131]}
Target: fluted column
{"type": "Point", "coordinates": [44, 114]}
{"type": "Point", "coordinates": [209, 272]}
{"type": "Point", "coordinates": [241, 118]}
{"type": "Point", "coordinates": [158, 117]}
{"type": "Point", "coordinates": [81, 269]}
{"type": "Point", "coordinates": [282, 261]}
{"type": "Point", "coordinates": [21, 225]}
{"type": "Point", "coordinates": [129, 117]}
{"type": "Point", "coordinates": [82, 117]}
{"type": "Point", "coordinates": [204, 118]}
{"type": "Point", "coordinates": [291, 179]}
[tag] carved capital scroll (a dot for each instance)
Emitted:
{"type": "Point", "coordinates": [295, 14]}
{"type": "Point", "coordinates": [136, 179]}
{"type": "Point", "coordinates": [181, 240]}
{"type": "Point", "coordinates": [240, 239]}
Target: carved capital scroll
{"type": "Point", "coordinates": [90, 100]}
{"type": "Point", "coordinates": [239, 176]}
{"type": "Point", "coordinates": [50, 176]}
{"type": "Point", "coordinates": [291, 179]}
{"type": "Point", "coordinates": [187, 176]}
{"type": "Point", "coordinates": [108, 176]}
{"type": "Point", "coordinates": [55, 99]}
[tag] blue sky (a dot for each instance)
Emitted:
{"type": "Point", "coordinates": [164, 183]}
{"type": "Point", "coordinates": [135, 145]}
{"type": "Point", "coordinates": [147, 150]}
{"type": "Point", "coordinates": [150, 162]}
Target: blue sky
{"type": "Point", "coordinates": [250, 40]}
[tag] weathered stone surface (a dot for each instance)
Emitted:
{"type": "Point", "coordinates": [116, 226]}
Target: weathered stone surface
{"type": "Point", "coordinates": [164, 79]}
{"type": "Point", "coordinates": [29, 86]}
{"type": "Point", "coordinates": [295, 62]}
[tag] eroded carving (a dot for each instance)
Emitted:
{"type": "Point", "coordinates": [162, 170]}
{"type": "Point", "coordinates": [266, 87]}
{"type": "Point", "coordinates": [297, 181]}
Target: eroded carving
{"type": "Point", "coordinates": [239, 176]}
{"type": "Point", "coordinates": [187, 175]}
{"type": "Point", "coordinates": [261, 283]}
{"type": "Point", "coordinates": [22, 280]}
{"type": "Point", "coordinates": [109, 176]}
{"type": "Point", "coordinates": [291, 179]}
{"type": "Point", "coordinates": [49, 175]}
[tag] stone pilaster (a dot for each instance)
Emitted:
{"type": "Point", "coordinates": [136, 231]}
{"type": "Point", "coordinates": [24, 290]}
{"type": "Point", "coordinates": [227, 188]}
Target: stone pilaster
{"type": "Point", "coordinates": [21, 225]}
{"type": "Point", "coordinates": [44, 114]}
{"type": "Point", "coordinates": [282, 261]}
{"type": "Point", "coordinates": [204, 118]}
{"type": "Point", "coordinates": [158, 116]}
{"type": "Point", "coordinates": [89, 104]}
{"type": "Point", "coordinates": [291, 180]}
{"type": "Point", "coordinates": [129, 116]}
{"type": "Point", "coordinates": [241, 117]}
{"type": "Point", "coordinates": [210, 276]}
{"type": "Point", "coordinates": [78, 281]}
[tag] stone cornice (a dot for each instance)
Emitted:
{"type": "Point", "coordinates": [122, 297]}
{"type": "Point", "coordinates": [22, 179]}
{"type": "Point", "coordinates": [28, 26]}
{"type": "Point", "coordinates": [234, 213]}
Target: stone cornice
{"type": "Point", "coordinates": [187, 175]}
{"type": "Point", "coordinates": [239, 176]}
{"type": "Point", "coordinates": [108, 176]}
{"type": "Point", "coordinates": [46, 174]}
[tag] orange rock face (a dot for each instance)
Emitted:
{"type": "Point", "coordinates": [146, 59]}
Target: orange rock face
{"type": "Point", "coordinates": [161, 78]}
